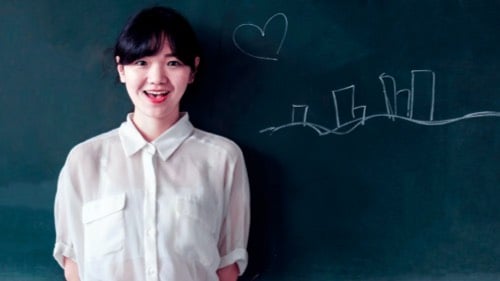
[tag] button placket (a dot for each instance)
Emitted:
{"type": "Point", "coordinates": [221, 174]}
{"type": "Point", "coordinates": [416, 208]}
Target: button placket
{"type": "Point", "coordinates": [150, 243]}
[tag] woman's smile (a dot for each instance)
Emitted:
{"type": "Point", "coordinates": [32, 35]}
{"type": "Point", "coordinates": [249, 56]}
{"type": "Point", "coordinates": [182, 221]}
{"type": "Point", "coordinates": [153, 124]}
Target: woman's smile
{"type": "Point", "coordinates": [156, 97]}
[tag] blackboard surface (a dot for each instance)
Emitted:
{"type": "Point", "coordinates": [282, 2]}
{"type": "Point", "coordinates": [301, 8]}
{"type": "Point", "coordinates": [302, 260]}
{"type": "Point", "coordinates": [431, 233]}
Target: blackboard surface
{"type": "Point", "coordinates": [371, 129]}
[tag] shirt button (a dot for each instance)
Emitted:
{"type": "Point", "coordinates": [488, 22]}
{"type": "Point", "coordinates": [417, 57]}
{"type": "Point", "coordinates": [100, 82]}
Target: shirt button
{"type": "Point", "coordinates": [150, 149]}
{"type": "Point", "coordinates": [151, 231]}
{"type": "Point", "coordinates": [151, 271]}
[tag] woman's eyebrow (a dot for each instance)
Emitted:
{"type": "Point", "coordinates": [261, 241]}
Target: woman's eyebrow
{"type": "Point", "coordinates": [169, 55]}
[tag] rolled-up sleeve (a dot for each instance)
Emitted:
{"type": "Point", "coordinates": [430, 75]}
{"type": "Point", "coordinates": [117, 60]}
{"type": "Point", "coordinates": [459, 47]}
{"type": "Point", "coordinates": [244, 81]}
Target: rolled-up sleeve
{"type": "Point", "coordinates": [236, 223]}
{"type": "Point", "coordinates": [66, 219]}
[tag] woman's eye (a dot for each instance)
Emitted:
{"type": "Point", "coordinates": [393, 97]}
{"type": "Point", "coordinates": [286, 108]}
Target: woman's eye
{"type": "Point", "coordinates": [140, 63]}
{"type": "Point", "coordinates": [174, 63]}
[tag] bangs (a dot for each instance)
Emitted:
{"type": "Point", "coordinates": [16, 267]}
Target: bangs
{"type": "Point", "coordinates": [147, 32]}
{"type": "Point", "coordinates": [140, 45]}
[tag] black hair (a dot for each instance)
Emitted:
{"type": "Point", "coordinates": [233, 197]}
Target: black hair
{"type": "Point", "coordinates": [146, 33]}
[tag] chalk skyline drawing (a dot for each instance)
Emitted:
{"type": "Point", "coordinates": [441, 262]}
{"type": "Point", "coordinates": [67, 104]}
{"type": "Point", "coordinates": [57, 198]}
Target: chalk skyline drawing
{"type": "Point", "coordinates": [415, 105]}
{"type": "Point", "coordinates": [262, 31]}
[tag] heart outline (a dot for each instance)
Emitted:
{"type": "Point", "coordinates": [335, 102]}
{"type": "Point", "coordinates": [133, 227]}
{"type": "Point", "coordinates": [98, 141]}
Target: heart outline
{"type": "Point", "coordinates": [262, 31]}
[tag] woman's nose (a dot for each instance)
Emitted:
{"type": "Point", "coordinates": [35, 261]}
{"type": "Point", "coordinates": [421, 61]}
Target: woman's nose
{"type": "Point", "coordinates": [157, 74]}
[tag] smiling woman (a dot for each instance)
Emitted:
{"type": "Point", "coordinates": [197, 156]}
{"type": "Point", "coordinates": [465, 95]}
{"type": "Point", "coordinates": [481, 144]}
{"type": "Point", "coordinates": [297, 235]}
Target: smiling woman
{"type": "Point", "coordinates": [155, 85]}
{"type": "Point", "coordinates": [136, 203]}
{"type": "Point", "coordinates": [156, 59]}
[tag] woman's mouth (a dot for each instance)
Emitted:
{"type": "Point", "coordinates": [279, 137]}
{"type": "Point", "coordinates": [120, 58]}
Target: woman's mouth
{"type": "Point", "coordinates": [156, 97]}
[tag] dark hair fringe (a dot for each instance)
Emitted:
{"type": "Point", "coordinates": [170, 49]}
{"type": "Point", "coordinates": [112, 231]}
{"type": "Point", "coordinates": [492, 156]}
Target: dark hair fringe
{"type": "Point", "coordinates": [146, 33]}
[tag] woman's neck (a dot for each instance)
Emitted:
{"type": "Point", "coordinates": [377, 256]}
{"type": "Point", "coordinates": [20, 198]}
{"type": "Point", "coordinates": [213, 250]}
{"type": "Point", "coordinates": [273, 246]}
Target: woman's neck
{"type": "Point", "coordinates": [150, 127]}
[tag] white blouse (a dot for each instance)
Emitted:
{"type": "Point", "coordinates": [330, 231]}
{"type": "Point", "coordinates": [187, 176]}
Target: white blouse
{"type": "Point", "coordinates": [173, 209]}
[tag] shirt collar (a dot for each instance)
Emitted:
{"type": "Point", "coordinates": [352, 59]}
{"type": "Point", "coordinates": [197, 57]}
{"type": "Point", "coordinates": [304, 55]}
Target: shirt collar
{"type": "Point", "coordinates": [165, 144]}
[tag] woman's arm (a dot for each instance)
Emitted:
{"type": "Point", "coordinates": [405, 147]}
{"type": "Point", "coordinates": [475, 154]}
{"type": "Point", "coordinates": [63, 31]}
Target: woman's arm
{"type": "Point", "coordinates": [228, 273]}
{"type": "Point", "coordinates": [70, 270]}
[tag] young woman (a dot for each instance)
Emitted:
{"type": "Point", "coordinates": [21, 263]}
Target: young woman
{"type": "Point", "coordinates": [156, 198]}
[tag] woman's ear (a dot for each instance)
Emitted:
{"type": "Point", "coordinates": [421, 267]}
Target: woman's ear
{"type": "Point", "coordinates": [193, 72]}
{"type": "Point", "coordinates": [119, 68]}
{"type": "Point", "coordinates": [196, 63]}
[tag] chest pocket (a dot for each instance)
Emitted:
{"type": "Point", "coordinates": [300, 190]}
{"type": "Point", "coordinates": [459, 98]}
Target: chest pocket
{"type": "Point", "coordinates": [103, 226]}
{"type": "Point", "coordinates": [197, 231]}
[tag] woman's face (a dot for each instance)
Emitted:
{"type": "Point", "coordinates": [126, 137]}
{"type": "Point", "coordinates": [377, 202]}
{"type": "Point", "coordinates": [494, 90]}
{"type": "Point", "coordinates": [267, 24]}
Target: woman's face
{"type": "Point", "coordinates": [156, 85]}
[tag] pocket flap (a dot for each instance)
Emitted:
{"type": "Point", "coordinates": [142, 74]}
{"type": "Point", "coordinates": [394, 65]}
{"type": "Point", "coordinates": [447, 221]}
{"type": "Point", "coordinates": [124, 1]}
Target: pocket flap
{"type": "Point", "coordinates": [190, 207]}
{"type": "Point", "coordinates": [102, 207]}
{"type": "Point", "coordinates": [196, 210]}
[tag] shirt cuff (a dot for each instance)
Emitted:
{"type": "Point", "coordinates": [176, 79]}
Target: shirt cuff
{"type": "Point", "coordinates": [62, 250]}
{"type": "Point", "coordinates": [238, 256]}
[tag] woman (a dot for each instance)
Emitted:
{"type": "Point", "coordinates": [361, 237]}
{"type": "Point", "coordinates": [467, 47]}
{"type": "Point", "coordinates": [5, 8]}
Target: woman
{"type": "Point", "coordinates": [156, 198]}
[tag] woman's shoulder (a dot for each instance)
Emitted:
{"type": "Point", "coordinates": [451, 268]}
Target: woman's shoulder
{"type": "Point", "coordinates": [94, 146]}
{"type": "Point", "coordinates": [215, 141]}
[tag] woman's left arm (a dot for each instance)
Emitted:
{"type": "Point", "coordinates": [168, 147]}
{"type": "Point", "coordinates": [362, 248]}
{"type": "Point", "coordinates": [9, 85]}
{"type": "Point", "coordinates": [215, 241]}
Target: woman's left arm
{"type": "Point", "coordinates": [228, 273]}
{"type": "Point", "coordinates": [233, 236]}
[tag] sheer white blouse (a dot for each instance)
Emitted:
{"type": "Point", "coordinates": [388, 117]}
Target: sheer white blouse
{"type": "Point", "coordinates": [173, 209]}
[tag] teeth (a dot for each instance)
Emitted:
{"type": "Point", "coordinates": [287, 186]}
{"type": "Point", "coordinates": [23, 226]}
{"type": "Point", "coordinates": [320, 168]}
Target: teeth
{"type": "Point", "coordinates": [156, 95]}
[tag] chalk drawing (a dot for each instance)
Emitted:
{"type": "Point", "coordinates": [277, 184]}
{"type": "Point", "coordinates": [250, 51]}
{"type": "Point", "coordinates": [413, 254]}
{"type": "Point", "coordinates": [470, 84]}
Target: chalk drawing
{"type": "Point", "coordinates": [262, 31]}
{"type": "Point", "coordinates": [414, 105]}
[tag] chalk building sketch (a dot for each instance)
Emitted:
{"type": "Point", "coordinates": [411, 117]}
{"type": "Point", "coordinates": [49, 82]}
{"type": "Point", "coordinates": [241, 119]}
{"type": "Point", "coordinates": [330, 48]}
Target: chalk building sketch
{"type": "Point", "coordinates": [415, 105]}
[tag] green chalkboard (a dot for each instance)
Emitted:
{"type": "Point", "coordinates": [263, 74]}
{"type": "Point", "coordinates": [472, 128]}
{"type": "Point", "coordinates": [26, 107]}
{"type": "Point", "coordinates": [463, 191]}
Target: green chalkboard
{"type": "Point", "coordinates": [371, 129]}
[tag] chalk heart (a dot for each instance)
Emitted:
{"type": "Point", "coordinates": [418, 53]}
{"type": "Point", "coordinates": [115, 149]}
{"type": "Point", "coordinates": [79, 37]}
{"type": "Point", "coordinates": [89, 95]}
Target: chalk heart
{"type": "Point", "coordinates": [249, 28]}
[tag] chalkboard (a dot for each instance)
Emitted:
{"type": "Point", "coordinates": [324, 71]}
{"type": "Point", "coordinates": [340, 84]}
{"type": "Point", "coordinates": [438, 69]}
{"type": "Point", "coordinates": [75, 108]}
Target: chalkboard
{"type": "Point", "coordinates": [371, 129]}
